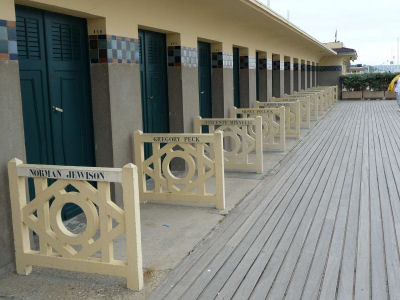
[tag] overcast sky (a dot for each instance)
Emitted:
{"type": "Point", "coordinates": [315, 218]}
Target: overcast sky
{"type": "Point", "coordinates": [370, 26]}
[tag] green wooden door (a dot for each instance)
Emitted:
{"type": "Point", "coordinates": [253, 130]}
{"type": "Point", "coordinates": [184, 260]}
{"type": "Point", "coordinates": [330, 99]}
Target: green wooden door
{"type": "Point", "coordinates": [54, 74]}
{"type": "Point", "coordinates": [204, 54]}
{"type": "Point", "coordinates": [236, 82]}
{"type": "Point", "coordinates": [154, 82]}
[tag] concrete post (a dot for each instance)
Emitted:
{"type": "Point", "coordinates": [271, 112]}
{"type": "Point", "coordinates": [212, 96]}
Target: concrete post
{"type": "Point", "coordinates": [221, 80]}
{"type": "Point", "coordinates": [183, 91]}
{"type": "Point", "coordinates": [12, 130]}
{"type": "Point", "coordinates": [247, 79]}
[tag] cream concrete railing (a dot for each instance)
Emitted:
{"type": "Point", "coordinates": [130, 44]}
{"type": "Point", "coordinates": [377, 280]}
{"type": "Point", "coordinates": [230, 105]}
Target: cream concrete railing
{"type": "Point", "coordinates": [327, 94]}
{"type": "Point", "coordinates": [292, 115]}
{"type": "Point", "coordinates": [273, 119]}
{"type": "Point", "coordinates": [60, 248]}
{"type": "Point", "coordinates": [245, 137]}
{"type": "Point", "coordinates": [317, 96]}
{"type": "Point", "coordinates": [312, 99]}
{"type": "Point", "coordinates": [308, 108]}
{"type": "Point", "coordinates": [201, 167]}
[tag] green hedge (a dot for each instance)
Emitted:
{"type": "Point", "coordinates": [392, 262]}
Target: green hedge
{"type": "Point", "coordinates": [359, 82]}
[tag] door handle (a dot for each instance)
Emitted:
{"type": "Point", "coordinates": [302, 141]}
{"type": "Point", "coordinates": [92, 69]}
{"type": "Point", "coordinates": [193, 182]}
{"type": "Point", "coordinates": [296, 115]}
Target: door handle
{"type": "Point", "coordinates": [55, 108]}
{"type": "Point", "coordinates": [151, 97]}
{"type": "Point", "coordinates": [202, 92]}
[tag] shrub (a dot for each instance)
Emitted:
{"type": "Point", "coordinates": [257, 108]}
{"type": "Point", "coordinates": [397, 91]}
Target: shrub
{"type": "Point", "coordinates": [359, 82]}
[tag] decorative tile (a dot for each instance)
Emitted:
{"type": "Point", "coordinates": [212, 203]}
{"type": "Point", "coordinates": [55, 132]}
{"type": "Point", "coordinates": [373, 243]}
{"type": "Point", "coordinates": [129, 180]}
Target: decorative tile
{"type": "Point", "coordinates": [252, 63]}
{"type": "Point", "coordinates": [276, 65]}
{"type": "Point", "coordinates": [244, 62]}
{"type": "Point", "coordinates": [113, 49]}
{"type": "Point", "coordinates": [174, 56]}
{"type": "Point", "coordinates": [189, 57]}
{"type": "Point", "coordinates": [262, 63]}
{"type": "Point", "coordinates": [8, 40]}
{"type": "Point", "coordinates": [269, 64]}
{"type": "Point", "coordinates": [220, 60]}
{"type": "Point", "coordinates": [3, 33]}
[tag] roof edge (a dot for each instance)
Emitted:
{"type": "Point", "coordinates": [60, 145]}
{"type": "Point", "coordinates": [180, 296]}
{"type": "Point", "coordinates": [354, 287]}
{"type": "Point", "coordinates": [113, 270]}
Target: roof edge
{"type": "Point", "coordinates": [277, 17]}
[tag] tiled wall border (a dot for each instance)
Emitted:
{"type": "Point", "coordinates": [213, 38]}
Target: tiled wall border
{"type": "Point", "coordinates": [8, 40]}
{"type": "Point", "coordinates": [277, 65]}
{"type": "Point", "coordinates": [179, 56]}
{"type": "Point", "coordinates": [113, 49]}
{"type": "Point", "coordinates": [247, 62]}
{"type": "Point", "coordinates": [221, 60]}
{"type": "Point", "coordinates": [189, 57]}
{"type": "Point", "coordinates": [329, 68]}
{"type": "Point", "coordinates": [262, 63]}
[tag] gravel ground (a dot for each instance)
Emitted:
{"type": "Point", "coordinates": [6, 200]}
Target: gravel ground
{"type": "Point", "coordinates": [55, 284]}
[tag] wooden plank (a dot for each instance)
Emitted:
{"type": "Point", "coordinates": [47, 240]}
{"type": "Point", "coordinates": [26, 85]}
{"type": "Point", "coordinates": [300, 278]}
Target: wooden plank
{"type": "Point", "coordinates": [246, 265]}
{"type": "Point", "coordinates": [379, 286]}
{"type": "Point", "coordinates": [319, 235]}
{"type": "Point", "coordinates": [389, 201]}
{"type": "Point", "coordinates": [318, 193]}
{"type": "Point", "coordinates": [362, 276]}
{"type": "Point", "coordinates": [204, 253]}
{"type": "Point", "coordinates": [346, 280]}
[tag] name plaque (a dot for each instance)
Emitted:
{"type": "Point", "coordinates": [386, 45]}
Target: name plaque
{"type": "Point", "coordinates": [254, 110]}
{"type": "Point", "coordinates": [71, 173]}
{"type": "Point", "coordinates": [228, 122]}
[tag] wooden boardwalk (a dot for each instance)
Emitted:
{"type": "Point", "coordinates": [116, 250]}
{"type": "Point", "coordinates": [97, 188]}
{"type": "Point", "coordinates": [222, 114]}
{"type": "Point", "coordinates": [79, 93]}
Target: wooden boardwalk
{"type": "Point", "coordinates": [326, 226]}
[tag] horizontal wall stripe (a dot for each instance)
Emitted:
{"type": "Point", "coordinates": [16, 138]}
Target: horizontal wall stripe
{"type": "Point", "coordinates": [329, 68]}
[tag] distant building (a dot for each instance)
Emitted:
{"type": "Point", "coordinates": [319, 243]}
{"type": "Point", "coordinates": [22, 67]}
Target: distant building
{"type": "Point", "coordinates": [383, 68]}
{"type": "Point", "coordinates": [357, 69]}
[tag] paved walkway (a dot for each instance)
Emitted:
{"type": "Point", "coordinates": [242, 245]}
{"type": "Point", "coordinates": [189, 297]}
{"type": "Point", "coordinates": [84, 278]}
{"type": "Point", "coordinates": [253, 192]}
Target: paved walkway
{"type": "Point", "coordinates": [326, 226]}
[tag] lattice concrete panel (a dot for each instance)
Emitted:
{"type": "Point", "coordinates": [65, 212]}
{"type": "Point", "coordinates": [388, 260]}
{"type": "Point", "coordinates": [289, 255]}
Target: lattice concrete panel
{"type": "Point", "coordinates": [273, 125]}
{"type": "Point", "coordinates": [241, 138]}
{"type": "Point", "coordinates": [202, 169]}
{"type": "Point", "coordinates": [305, 108]}
{"type": "Point", "coordinates": [292, 115]}
{"type": "Point", "coordinates": [92, 250]}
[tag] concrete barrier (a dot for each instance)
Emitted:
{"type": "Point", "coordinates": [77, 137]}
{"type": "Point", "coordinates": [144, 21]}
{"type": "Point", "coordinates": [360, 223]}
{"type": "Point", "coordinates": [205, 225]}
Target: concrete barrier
{"type": "Point", "coordinates": [58, 247]}
{"type": "Point", "coordinates": [305, 108]}
{"type": "Point", "coordinates": [245, 137]}
{"type": "Point", "coordinates": [292, 115]}
{"type": "Point", "coordinates": [201, 167]}
{"type": "Point", "coordinates": [321, 98]}
{"type": "Point", "coordinates": [313, 100]}
{"type": "Point", "coordinates": [273, 123]}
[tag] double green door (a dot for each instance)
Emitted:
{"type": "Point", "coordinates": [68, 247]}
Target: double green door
{"type": "Point", "coordinates": [55, 89]}
{"type": "Point", "coordinates": [154, 82]}
{"type": "Point", "coordinates": [204, 54]}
